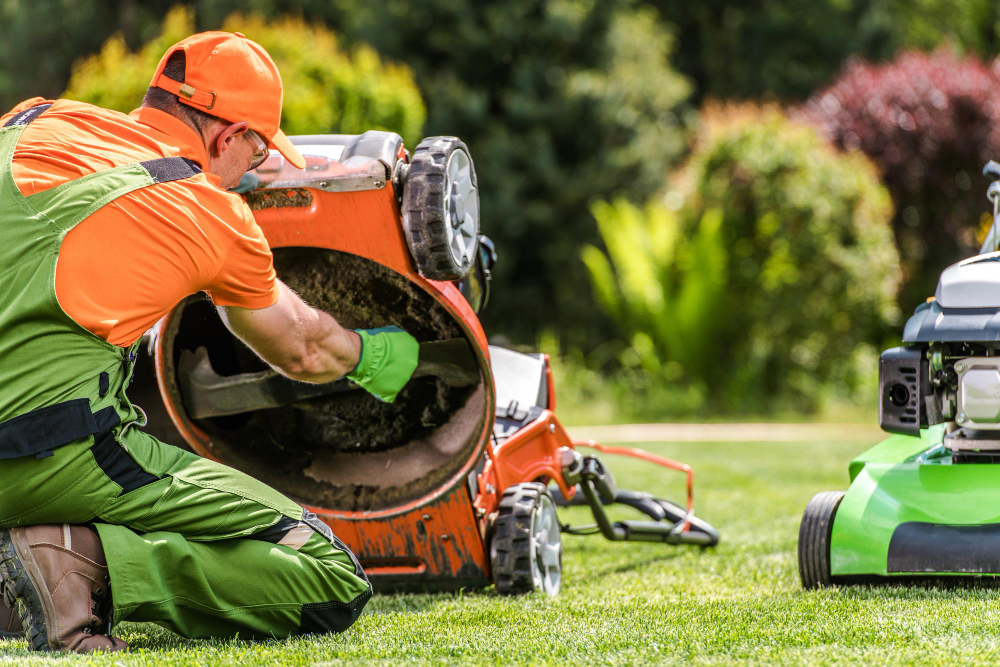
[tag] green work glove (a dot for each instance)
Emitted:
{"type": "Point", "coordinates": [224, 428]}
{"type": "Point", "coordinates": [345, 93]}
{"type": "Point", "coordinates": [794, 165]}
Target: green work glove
{"type": "Point", "coordinates": [388, 358]}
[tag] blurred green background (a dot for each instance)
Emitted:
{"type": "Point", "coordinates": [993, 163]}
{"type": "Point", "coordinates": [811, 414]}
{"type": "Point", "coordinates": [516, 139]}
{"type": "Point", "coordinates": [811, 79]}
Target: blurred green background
{"type": "Point", "coordinates": [702, 209]}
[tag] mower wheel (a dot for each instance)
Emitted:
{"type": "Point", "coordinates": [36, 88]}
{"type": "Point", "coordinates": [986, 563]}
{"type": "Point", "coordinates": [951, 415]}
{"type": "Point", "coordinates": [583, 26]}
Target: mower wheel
{"type": "Point", "coordinates": [814, 539]}
{"type": "Point", "coordinates": [526, 549]}
{"type": "Point", "coordinates": [441, 209]}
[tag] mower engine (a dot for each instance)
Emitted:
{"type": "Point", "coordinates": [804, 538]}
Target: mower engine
{"type": "Point", "coordinates": [949, 370]}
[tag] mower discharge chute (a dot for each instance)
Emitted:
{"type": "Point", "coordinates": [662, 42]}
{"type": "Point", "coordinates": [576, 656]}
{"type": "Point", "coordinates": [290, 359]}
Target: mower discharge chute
{"type": "Point", "coordinates": [925, 502]}
{"type": "Point", "coordinates": [448, 486]}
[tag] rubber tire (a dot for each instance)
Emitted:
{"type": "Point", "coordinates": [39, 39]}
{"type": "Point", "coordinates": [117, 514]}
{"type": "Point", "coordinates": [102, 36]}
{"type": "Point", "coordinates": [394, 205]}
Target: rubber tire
{"type": "Point", "coordinates": [423, 208]}
{"type": "Point", "coordinates": [814, 539]}
{"type": "Point", "coordinates": [510, 546]}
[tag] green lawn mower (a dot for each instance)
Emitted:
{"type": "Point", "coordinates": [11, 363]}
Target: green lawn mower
{"type": "Point", "coordinates": [925, 502]}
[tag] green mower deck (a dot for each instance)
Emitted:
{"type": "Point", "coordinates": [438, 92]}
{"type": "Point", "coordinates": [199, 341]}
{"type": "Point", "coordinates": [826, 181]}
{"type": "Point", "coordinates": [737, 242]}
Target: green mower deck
{"type": "Point", "coordinates": [910, 511]}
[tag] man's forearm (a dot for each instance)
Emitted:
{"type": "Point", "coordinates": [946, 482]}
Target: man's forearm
{"type": "Point", "coordinates": [295, 339]}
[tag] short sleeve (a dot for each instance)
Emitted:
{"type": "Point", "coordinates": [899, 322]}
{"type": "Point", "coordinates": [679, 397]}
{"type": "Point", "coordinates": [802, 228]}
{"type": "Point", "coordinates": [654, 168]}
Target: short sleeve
{"type": "Point", "coordinates": [246, 277]}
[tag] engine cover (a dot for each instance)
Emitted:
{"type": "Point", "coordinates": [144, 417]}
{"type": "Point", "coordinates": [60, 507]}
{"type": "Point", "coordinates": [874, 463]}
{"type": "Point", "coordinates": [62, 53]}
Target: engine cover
{"type": "Point", "coordinates": [966, 307]}
{"type": "Point", "coordinates": [978, 393]}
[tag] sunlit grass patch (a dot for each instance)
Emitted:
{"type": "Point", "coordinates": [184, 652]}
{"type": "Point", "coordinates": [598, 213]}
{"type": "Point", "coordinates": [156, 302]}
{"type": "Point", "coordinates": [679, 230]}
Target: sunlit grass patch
{"type": "Point", "coordinates": [648, 603]}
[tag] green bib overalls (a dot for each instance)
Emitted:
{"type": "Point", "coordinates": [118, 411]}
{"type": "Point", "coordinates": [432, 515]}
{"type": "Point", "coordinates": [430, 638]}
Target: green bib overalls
{"type": "Point", "coordinates": [191, 544]}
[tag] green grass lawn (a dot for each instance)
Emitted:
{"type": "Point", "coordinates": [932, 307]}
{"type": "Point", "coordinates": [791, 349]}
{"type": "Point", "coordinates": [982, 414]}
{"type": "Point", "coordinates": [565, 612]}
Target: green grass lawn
{"type": "Point", "coordinates": [645, 603]}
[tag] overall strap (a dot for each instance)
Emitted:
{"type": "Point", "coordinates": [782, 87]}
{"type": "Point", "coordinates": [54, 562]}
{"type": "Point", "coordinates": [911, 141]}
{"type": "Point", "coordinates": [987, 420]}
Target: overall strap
{"type": "Point", "coordinates": [70, 203]}
{"type": "Point", "coordinates": [37, 224]}
{"type": "Point", "coordinates": [26, 116]}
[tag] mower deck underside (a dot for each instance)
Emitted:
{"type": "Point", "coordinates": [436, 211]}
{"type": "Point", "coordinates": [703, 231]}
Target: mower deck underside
{"type": "Point", "coordinates": [347, 451]}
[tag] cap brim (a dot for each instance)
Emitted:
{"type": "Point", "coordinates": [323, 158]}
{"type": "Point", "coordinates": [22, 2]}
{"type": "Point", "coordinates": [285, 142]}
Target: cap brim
{"type": "Point", "coordinates": [284, 146]}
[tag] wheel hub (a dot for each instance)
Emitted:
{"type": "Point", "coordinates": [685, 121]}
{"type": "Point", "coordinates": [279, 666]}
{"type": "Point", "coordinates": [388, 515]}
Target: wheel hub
{"type": "Point", "coordinates": [546, 547]}
{"type": "Point", "coordinates": [463, 208]}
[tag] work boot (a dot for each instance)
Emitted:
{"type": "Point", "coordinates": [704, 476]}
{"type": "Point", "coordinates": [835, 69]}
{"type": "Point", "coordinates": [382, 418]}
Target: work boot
{"type": "Point", "coordinates": [10, 624]}
{"type": "Point", "coordinates": [57, 577]}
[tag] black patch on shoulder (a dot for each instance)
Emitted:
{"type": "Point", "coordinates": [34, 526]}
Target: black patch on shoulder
{"type": "Point", "coordinates": [275, 533]}
{"type": "Point", "coordinates": [166, 169]}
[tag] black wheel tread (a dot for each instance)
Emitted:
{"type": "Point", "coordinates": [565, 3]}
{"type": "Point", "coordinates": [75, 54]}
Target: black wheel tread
{"type": "Point", "coordinates": [423, 208]}
{"type": "Point", "coordinates": [814, 539]}
{"type": "Point", "coordinates": [510, 547]}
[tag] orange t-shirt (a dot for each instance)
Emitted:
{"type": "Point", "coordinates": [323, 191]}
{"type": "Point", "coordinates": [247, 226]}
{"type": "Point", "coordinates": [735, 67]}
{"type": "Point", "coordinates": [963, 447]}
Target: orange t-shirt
{"type": "Point", "coordinates": [128, 264]}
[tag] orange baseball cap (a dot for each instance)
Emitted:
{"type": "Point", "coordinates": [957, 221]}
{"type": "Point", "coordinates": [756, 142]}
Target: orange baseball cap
{"type": "Point", "coordinates": [233, 78]}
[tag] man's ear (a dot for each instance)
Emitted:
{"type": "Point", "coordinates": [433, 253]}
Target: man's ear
{"type": "Point", "coordinates": [227, 135]}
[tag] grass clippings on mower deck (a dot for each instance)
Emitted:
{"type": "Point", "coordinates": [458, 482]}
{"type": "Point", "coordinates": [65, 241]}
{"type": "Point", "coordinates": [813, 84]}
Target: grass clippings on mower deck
{"type": "Point", "coordinates": [647, 603]}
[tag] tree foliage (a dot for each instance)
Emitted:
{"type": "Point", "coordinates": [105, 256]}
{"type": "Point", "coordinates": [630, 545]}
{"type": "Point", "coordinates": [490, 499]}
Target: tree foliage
{"type": "Point", "coordinates": [325, 88]}
{"type": "Point", "coordinates": [929, 122]}
{"type": "Point", "coordinates": [785, 49]}
{"type": "Point", "coordinates": [560, 102]}
{"type": "Point", "coordinates": [776, 266]}
{"type": "Point", "coordinates": [778, 48]}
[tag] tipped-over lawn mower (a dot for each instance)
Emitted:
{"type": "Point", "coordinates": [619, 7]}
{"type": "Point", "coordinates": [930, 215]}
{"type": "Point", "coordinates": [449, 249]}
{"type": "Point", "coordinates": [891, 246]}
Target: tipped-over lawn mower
{"type": "Point", "coordinates": [926, 501]}
{"type": "Point", "coordinates": [455, 483]}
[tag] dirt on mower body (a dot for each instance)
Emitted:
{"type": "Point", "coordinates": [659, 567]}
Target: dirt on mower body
{"type": "Point", "coordinates": [449, 486]}
{"type": "Point", "coordinates": [925, 503]}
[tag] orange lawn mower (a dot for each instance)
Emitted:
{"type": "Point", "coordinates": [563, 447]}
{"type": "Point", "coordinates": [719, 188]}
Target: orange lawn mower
{"type": "Point", "coordinates": [456, 483]}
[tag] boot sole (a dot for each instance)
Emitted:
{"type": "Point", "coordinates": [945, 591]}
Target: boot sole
{"type": "Point", "coordinates": [6, 634]}
{"type": "Point", "coordinates": [24, 591]}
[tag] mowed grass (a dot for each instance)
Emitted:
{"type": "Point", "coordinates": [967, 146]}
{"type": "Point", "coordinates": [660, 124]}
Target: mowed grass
{"type": "Point", "coordinates": [646, 603]}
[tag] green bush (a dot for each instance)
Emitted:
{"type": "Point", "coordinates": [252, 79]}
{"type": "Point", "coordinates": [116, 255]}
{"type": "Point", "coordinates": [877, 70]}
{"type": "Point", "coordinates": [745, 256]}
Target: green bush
{"type": "Point", "coordinates": [928, 122]}
{"type": "Point", "coordinates": [766, 274]}
{"type": "Point", "coordinates": [664, 284]}
{"type": "Point", "coordinates": [325, 89]}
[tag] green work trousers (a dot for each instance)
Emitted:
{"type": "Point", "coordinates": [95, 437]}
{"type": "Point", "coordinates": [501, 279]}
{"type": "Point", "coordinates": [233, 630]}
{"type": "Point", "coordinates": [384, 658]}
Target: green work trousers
{"type": "Point", "coordinates": [192, 545]}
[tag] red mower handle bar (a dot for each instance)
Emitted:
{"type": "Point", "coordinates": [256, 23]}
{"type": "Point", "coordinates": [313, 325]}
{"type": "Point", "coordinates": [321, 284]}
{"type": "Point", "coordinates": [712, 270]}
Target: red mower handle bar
{"type": "Point", "coordinates": [658, 460]}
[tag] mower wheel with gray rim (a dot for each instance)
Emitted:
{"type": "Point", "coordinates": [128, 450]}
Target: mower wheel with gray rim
{"type": "Point", "coordinates": [441, 209]}
{"type": "Point", "coordinates": [814, 539]}
{"type": "Point", "coordinates": [526, 549]}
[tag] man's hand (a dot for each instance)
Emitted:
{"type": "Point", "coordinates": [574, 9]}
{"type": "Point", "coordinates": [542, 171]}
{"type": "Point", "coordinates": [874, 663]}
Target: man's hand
{"type": "Point", "coordinates": [389, 356]}
{"type": "Point", "coordinates": [307, 344]}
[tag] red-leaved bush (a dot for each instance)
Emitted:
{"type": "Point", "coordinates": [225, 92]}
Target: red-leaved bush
{"type": "Point", "coordinates": [929, 122]}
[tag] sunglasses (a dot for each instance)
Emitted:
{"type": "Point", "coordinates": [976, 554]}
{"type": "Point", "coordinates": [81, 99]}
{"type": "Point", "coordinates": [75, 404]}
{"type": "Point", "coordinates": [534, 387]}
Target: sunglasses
{"type": "Point", "coordinates": [262, 150]}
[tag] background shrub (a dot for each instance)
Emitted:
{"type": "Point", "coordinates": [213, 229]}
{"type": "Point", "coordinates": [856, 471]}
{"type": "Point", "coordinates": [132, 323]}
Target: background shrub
{"type": "Point", "coordinates": [774, 274]}
{"type": "Point", "coordinates": [325, 89]}
{"type": "Point", "coordinates": [929, 122]}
